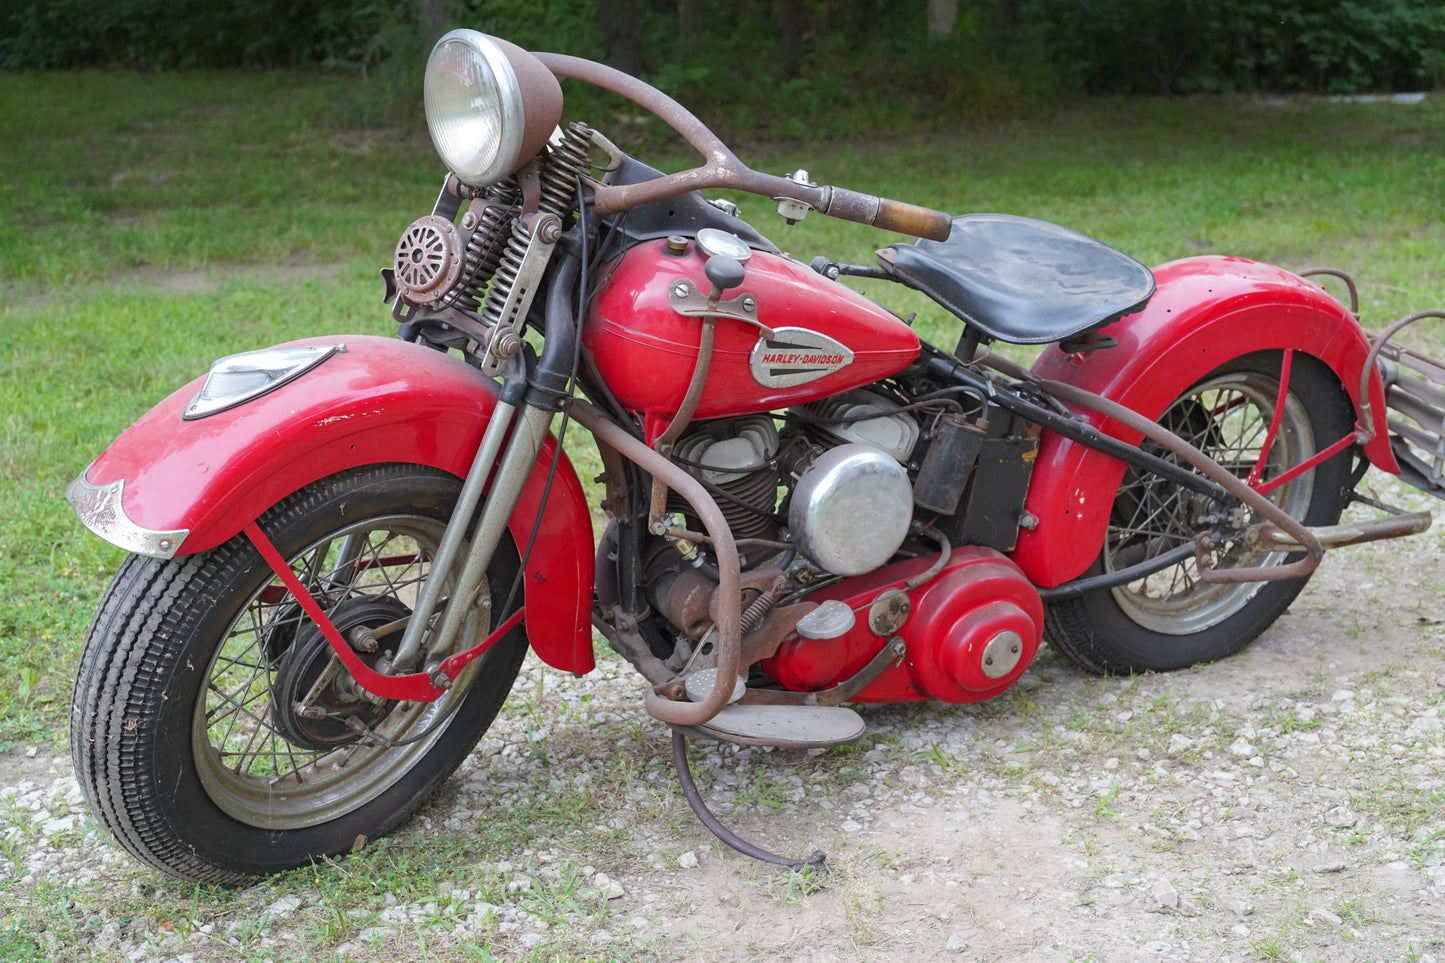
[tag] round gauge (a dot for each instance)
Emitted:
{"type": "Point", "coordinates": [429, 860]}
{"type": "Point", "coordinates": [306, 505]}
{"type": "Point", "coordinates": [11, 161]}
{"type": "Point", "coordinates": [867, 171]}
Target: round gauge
{"type": "Point", "coordinates": [715, 243]}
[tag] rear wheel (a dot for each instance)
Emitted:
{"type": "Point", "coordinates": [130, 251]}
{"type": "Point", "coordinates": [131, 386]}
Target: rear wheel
{"type": "Point", "coordinates": [1173, 618]}
{"type": "Point", "coordinates": [215, 733]}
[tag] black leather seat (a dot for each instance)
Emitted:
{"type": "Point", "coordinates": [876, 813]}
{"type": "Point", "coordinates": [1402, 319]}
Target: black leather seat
{"type": "Point", "coordinates": [1023, 281]}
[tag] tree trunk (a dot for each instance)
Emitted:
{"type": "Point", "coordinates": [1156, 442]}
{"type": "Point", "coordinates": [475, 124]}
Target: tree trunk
{"type": "Point", "coordinates": [621, 24]}
{"type": "Point", "coordinates": [790, 37]}
{"type": "Point", "coordinates": [942, 17]}
{"type": "Point", "coordinates": [1008, 15]}
{"type": "Point", "coordinates": [689, 19]}
{"type": "Point", "coordinates": [432, 17]}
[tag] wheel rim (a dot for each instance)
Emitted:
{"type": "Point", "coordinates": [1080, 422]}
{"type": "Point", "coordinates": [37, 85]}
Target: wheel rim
{"type": "Point", "coordinates": [1228, 418]}
{"type": "Point", "coordinates": [243, 758]}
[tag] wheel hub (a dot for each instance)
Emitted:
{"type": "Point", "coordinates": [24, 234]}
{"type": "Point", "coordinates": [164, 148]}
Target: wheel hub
{"type": "Point", "coordinates": [336, 714]}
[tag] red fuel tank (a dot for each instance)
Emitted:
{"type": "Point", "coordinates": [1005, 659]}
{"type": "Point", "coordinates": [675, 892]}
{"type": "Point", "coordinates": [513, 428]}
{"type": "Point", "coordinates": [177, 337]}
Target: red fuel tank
{"type": "Point", "coordinates": [827, 338]}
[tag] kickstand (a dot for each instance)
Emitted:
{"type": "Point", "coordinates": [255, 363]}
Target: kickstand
{"type": "Point", "coordinates": [815, 863]}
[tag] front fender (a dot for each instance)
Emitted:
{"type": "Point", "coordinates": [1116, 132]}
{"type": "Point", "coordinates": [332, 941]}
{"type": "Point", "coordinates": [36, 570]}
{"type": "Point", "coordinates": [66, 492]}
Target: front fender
{"type": "Point", "coordinates": [1206, 311]}
{"type": "Point", "coordinates": [380, 400]}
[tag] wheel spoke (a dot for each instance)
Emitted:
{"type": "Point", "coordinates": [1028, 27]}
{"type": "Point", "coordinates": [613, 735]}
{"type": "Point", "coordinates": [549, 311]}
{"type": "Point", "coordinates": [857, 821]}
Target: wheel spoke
{"type": "Point", "coordinates": [277, 768]}
{"type": "Point", "coordinates": [1228, 419]}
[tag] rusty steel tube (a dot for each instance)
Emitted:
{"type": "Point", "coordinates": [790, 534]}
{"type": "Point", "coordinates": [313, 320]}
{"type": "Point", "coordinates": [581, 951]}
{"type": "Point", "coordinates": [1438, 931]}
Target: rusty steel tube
{"type": "Point", "coordinates": [1351, 533]}
{"type": "Point", "coordinates": [729, 620]}
{"type": "Point", "coordinates": [1368, 368]}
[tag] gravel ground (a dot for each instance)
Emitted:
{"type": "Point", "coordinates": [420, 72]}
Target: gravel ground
{"type": "Point", "coordinates": [1286, 804]}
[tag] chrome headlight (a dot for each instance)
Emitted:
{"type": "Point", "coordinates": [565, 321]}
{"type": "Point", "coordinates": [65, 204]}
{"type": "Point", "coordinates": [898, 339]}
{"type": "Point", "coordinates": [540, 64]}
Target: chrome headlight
{"type": "Point", "coordinates": [237, 378]}
{"type": "Point", "coordinates": [490, 105]}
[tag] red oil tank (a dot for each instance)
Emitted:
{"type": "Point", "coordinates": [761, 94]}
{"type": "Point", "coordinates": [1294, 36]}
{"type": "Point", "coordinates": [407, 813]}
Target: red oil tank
{"type": "Point", "coordinates": [827, 338]}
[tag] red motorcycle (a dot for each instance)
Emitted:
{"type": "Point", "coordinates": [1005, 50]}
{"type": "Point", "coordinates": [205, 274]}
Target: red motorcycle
{"type": "Point", "coordinates": [343, 546]}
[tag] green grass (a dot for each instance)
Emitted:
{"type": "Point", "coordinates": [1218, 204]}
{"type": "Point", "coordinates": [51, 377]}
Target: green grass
{"type": "Point", "coordinates": [144, 221]}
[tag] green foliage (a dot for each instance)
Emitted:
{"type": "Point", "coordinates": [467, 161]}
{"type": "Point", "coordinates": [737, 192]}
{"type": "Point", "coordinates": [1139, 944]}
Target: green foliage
{"type": "Point", "coordinates": [1183, 46]}
{"type": "Point", "coordinates": [171, 34]}
{"type": "Point", "coordinates": [150, 223]}
{"type": "Point", "coordinates": [862, 63]}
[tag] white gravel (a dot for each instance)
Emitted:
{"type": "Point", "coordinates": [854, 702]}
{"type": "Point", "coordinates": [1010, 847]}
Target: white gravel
{"type": "Point", "coordinates": [1287, 804]}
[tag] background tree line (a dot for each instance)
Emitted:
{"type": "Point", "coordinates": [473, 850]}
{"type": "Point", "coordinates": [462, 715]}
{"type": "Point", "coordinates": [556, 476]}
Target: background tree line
{"type": "Point", "coordinates": [747, 61]}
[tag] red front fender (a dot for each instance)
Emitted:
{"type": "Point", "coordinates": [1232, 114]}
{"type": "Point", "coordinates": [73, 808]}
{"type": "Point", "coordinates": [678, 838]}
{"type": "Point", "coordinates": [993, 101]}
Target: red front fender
{"type": "Point", "coordinates": [1206, 311]}
{"type": "Point", "coordinates": [381, 400]}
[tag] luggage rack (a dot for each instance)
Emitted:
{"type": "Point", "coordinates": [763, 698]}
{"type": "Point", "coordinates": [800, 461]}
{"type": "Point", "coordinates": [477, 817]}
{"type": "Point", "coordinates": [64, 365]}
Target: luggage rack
{"type": "Point", "coordinates": [1414, 395]}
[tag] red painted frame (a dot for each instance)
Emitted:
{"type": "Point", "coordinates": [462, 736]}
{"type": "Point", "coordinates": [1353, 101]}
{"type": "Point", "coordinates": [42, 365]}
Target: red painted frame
{"type": "Point", "coordinates": [380, 401]}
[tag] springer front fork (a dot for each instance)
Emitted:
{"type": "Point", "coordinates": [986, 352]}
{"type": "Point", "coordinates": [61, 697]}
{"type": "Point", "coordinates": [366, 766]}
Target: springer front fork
{"type": "Point", "coordinates": [529, 400]}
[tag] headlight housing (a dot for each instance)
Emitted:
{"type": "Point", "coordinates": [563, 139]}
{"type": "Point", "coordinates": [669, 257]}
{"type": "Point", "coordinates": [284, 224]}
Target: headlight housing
{"type": "Point", "coordinates": [490, 106]}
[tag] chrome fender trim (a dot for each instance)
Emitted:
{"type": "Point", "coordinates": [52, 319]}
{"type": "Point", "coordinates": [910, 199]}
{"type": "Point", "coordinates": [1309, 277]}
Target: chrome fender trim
{"type": "Point", "coordinates": [99, 509]}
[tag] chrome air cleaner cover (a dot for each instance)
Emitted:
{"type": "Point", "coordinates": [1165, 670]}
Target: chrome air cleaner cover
{"type": "Point", "coordinates": [851, 509]}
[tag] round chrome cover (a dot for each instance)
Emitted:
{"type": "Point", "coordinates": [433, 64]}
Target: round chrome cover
{"type": "Point", "coordinates": [850, 509]}
{"type": "Point", "coordinates": [1002, 654]}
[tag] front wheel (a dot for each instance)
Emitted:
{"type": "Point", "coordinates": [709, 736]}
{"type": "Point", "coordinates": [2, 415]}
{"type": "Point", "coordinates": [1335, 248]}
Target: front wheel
{"type": "Point", "coordinates": [1173, 619]}
{"type": "Point", "coordinates": [214, 732]}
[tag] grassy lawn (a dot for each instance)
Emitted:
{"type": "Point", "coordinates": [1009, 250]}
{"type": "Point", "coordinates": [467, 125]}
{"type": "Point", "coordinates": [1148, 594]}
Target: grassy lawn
{"type": "Point", "coordinates": [149, 224]}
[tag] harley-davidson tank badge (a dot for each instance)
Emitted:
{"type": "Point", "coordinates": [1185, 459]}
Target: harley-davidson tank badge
{"type": "Point", "coordinates": [796, 356]}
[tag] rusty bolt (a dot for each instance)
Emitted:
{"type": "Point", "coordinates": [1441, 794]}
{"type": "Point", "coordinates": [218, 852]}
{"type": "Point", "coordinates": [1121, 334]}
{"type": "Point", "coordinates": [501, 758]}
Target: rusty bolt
{"type": "Point", "coordinates": [506, 344]}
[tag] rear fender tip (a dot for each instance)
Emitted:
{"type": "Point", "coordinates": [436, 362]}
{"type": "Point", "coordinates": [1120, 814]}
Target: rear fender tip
{"type": "Point", "coordinates": [100, 509]}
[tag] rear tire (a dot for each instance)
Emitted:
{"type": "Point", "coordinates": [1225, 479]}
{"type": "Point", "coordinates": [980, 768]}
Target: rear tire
{"type": "Point", "coordinates": [183, 729]}
{"type": "Point", "coordinates": [1171, 619]}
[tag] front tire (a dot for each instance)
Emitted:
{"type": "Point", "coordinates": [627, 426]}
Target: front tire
{"type": "Point", "coordinates": [184, 725]}
{"type": "Point", "coordinates": [1173, 619]}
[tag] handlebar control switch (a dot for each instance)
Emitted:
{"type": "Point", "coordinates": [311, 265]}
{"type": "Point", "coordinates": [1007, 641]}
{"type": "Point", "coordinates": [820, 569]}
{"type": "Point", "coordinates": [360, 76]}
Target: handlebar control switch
{"type": "Point", "coordinates": [791, 209]}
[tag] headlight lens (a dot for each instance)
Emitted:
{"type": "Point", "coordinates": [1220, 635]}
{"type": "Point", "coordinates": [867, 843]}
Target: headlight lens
{"type": "Point", "coordinates": [474, 107]}
{"type": "Point", "coordinates": [238, 378]}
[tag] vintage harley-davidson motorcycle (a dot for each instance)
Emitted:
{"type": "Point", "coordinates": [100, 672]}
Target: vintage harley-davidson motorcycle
{"type": "Point", "coordinates": [342, 547]}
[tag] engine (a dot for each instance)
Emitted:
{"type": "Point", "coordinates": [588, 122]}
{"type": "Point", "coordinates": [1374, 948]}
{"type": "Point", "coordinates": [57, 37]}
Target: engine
{"type": "Point", "coordinates": [840, 464]}
{"type": "Point", "coordinates": [822, 506]}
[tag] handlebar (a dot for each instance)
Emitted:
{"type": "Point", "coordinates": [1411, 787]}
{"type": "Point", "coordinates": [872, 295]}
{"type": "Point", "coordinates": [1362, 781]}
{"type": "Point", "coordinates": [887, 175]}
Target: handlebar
{"type": "Point", "coordinates": [722, 168]}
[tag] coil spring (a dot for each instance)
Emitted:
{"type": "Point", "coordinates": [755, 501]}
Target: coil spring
{"type": "Point", "coordinates": [508, 268]}
{"type": "Point", "coordinates": [565, 163]}
{"type": "Point", "coordinates": [758, 610]}
{"type": "Point", "coordinates": [485, 246]}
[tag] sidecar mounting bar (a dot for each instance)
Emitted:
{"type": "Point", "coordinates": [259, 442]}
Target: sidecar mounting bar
{"type": "Point", "coordinates": [1237, 487]}
{"type": "Point", "coordinates": [721, 168]}
{"type": "Point", "coordinates": [1348, 533]}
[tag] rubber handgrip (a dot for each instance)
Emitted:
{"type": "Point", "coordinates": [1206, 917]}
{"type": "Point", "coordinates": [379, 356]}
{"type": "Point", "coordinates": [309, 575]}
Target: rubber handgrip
{"type": "Point", "coordinates": [886, 214]}
{"type": "Point", "coordinates": [914, 220]}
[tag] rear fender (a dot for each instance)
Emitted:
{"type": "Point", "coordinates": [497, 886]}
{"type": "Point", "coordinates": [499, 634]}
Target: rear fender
{"type": "Point", "coordinates": [380, 400]}
{"type": "Point", "coordinates": [1206, 311]}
